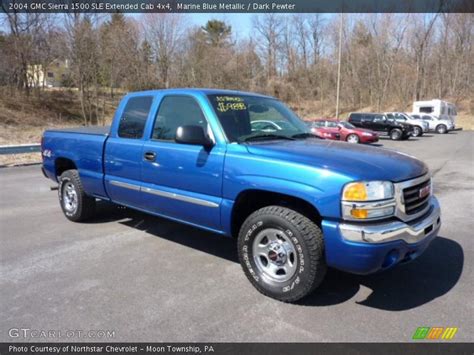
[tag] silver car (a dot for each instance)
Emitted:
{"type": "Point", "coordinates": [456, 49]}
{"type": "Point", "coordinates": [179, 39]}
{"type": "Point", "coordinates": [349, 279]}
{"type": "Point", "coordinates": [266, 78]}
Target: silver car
{"type": "Point", "coordinates": [419, 126]}
{"type": "Point", "coordinates": [434, 123]}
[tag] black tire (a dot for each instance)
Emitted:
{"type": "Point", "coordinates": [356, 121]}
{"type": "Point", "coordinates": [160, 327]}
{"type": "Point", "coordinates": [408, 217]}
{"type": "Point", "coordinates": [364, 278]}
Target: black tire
{"type": "Point", "coordinates": [84, 205]}
{"type": "Point", "coordinates": [353, 138]}
{"type": "Point", "coordinates": [396, 134]}
{"type": "Point", "coordinates": [441, 129]}
{"type": "Point", "coordinates": [417, 131]}
{"type": "Point", "coordinates": [306, 239]}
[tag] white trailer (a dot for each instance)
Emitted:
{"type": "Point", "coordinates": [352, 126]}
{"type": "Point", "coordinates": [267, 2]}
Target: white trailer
{"type": "Point", "coordinates": [444, 110]}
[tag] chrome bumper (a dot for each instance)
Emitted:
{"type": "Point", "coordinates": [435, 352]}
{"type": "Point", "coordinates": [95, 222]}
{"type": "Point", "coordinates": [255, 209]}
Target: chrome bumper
{"type": "Point", "coordinates": [410, 232]}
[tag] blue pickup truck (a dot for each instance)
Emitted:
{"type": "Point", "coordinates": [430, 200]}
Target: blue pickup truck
{"type": "Point", "coordinates": [295, 203]}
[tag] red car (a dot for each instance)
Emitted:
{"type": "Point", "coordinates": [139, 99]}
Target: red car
{"type": "Point", "coordinates": [318, 129]}
{"type": "Point", "coordinates": [348, 131]}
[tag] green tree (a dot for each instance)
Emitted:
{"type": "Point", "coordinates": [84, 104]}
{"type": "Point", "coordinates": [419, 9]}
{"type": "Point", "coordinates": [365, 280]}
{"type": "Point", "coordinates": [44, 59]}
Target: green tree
{"type": "Point", "coordinates": [217, 33]}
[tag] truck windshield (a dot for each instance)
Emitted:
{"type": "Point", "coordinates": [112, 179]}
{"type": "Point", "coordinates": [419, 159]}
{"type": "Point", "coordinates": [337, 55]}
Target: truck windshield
{"type": "Point", "coordinates": [245, 118]}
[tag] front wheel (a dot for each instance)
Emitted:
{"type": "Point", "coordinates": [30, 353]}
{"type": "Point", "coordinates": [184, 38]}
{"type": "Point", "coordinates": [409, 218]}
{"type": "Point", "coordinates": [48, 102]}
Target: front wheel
{"type": "Point", "coordinates": [76, 205]}
{"type": "Point", "coordinates": [396, 134]}
{"type": "Point", "coordinates": [441, 129]}
{"type": "Point", "coordinates": [417, 131]}
{"type": "Point", "coordinates": [352, 138]}
{"type": "Point", "coordinates": [282, 253]}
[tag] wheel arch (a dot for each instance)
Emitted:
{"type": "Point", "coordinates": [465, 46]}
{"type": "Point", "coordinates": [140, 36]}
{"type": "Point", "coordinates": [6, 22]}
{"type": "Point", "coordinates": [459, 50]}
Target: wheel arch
{"type": "Point", "coordinates": [249, 201]}
{"type": "Point", "coordinates": [61, 164]}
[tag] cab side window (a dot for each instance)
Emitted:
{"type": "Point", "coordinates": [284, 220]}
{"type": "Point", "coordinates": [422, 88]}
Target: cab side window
{"type": "Point", "coordinates": [176, 111]}
{"type": "Point", "coordinates": [379, 119]}
{"type": "Point", "coordinates": [134, 116]}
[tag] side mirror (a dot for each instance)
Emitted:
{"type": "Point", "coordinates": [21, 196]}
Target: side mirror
{"type": "Point", "coordinates": [192, 135]}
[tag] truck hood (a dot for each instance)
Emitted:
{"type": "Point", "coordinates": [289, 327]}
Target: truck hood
{"type": "Point", "coordinates": [356, 161]}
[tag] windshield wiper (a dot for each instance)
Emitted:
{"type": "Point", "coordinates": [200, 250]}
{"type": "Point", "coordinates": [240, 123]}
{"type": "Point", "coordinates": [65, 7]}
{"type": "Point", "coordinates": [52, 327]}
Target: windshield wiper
{"type": "Point", "coordinates": [304, 135]}
{"type": "Point", "coordinates": [264, 137]}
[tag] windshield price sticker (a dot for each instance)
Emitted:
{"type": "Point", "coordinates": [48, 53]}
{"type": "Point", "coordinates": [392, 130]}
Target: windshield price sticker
{"type": "Point", "coordinates": [232, 103]}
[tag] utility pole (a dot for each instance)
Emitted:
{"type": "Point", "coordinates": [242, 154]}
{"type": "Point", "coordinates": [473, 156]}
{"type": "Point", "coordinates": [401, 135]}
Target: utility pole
{"type": "Point", "coordinates": [338, 89]}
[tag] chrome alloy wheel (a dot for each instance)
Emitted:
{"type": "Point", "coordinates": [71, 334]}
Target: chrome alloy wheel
{"type": "Point", "coordinates": [69, 197]}
{"type": "Point", "coordinates": [352, 138]}
{"type": "Point", "coordinates": [274, 255]}
{"type": "Point", "coordinates": [417, 131]}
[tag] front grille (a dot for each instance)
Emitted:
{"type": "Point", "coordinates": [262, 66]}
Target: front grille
{"type": "Point", "coordinates": [413, 202]}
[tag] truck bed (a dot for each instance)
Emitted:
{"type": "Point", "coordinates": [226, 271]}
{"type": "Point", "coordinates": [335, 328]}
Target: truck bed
{"type": "Point", "coordinates": [82, 146]}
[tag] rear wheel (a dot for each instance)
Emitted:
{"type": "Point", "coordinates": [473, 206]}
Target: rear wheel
{"type": "Point", "coordinates": [282, 253]}
{"type": "Point", "coordinates": [417, 131]}
{"type": "Point", "coordinates": [352, 138]}
{"type": "Point", "coordinates": [396, 134]}
{"type": "Point", "coordinates": [76, 205]}
{"type": "Point", "coordinates": [441, 129]}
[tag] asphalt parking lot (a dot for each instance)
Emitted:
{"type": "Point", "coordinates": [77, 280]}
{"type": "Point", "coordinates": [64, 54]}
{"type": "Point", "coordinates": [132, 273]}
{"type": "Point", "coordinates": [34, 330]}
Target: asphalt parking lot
{"type": "Point", "coordinates": [149, 279]}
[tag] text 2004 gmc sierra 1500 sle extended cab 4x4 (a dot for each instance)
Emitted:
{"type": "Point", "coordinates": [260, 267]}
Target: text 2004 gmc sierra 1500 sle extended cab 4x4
{"type": "Point", "coordinates": [296, 203]}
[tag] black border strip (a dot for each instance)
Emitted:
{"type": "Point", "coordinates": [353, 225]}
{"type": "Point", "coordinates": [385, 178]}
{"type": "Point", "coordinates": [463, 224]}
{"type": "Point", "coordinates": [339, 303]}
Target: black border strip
{"type": "Point", "coordinates": [238, 348]}
{"type": "Point", "coordinates": [238, 6]}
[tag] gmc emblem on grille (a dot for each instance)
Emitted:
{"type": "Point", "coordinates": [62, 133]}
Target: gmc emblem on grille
{"type": "Point", "coordinates": [424, 191]}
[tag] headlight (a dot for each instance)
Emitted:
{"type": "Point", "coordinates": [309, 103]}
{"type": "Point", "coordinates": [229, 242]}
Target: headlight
{"type": "Point", "coordinates": [368, 191]}
{"type": "Point", "coordinates": [364, 200]}
{"type": "Point", "coordinates": [366, 134]}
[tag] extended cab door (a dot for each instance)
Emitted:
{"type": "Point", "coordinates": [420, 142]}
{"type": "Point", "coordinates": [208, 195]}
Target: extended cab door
{"type": "Point", "coordinates": [123, 150]}
{"type": "Point", "coordinates": [182, 181]}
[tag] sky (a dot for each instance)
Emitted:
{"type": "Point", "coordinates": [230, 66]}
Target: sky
{"type": "Point", "coordinates": [241, 23]}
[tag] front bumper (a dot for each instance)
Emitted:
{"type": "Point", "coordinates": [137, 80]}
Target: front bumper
{"type": "Point", "coordinates": [371, 247]}
{"type": "Point", "coordinates": [369, 139]}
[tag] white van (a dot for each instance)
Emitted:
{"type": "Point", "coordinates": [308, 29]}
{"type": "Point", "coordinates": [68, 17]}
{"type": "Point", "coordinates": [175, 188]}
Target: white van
{"type": "Point", "coordinates": [442, 109]}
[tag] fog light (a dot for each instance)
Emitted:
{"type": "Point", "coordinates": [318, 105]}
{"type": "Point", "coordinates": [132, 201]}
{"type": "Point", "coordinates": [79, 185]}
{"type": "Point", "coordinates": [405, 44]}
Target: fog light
{"type": "Point", "coordinates": [391, 258]}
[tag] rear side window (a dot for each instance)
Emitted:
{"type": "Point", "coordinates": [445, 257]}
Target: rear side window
{"type": "Point", "coordinates": [426, 109]}
{"type": "Point", "coordinates": [354, 117]}
{"type": "Point", "coordinates": [133, 120]}
{"type": "Point", "coordinates": [369, 118]}
{"type": "Point", "coordinates": [176, 111]}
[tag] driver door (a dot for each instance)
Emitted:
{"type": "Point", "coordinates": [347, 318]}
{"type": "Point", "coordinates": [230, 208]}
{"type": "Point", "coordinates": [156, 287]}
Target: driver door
{"type": "Point", "coordinates": [182, 181]}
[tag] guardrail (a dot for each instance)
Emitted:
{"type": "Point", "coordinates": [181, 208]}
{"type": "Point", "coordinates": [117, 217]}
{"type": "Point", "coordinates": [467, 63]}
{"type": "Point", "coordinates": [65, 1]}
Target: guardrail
{"type": "Point", "coordinates": [19, 149]}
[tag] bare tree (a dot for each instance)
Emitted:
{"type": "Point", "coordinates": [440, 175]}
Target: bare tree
{"type": "Point", "coordinates": [270, 29]}
{"type": "Point", "coordinates": [164, 32]}
{"type": "Point", "coordinates": [421, 35]}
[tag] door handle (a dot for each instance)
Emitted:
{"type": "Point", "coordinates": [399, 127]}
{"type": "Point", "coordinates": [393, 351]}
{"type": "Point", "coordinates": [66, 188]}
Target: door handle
{"type": "Point", "coordinates": [150, 156]}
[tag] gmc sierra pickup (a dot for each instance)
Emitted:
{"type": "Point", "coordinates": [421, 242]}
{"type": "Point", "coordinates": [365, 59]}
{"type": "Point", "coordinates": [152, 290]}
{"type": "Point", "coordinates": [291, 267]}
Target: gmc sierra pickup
{"type": "Point", "coordinates": [295, 203]}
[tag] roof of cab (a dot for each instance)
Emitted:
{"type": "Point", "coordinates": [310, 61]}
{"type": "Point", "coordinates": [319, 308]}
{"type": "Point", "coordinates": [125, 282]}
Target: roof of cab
{"type": "Point", "coordinates": [197, 90]}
